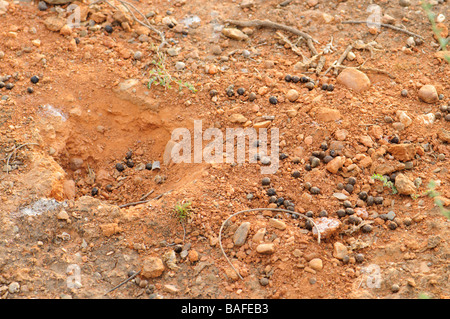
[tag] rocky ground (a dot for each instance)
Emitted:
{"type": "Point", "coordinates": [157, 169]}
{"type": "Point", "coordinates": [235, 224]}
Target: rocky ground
{"type": "Point", "coordinates": [81, 135]}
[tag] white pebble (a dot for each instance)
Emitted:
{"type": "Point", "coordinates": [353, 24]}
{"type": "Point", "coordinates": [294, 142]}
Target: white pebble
{"type": "Point", "coordinates": [440, 18]}
{"type": "Point", "coordinates": [14, 287]}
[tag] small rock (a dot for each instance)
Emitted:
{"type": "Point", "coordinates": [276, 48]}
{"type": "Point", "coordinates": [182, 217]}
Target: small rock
{"type": "Point", "coordinates": [266, 249]}
{"type": "Point", "coordinates": [327, 227]}
{"type": "Point", "coordinates": [334, 165]}
{"type": "Point", "coordinates": [340, 250]}
{"type": "Point", "coordinates": [340, 196]}
{"type": "Point", "coordinates": [354, 79]}
{"type": "Point", "coordinates": [180, 66]}
{"type": "Point", "coordinates": [62, 215]}
{"type": "Point", "coordinates": [193, 256]}
{"type": "Point", "coordinates": [54, 23]}
{"type": "Point", "coordinates": [153, 267]}
{"type": "Point", "coordinates": [42, 6]}
{"type": "Point", "coordinates": [404, 119]}
{"type": "Point", "coordinates": [234, 34]}
{"type": "Point", "coordinates": [325, 114]}
{"type": "Point", "coordinates": [316, 264]}
{"type": "Point", "coordinates": [238, 118]}
{"type": "Point", "coordinates": [137, 55]}
{"type": "Point", "coordinates": [428, 94]}
{"type": "Point", "coordinates": [444, 135]}
{"type": "Point", "coordinates": [14, 287]}
{"type": "Point", "coordinates": [278, 224]}
{"type": "Point", "coordinates": [241, 234]}
{"type": "Point", "coordinates": [292, 95]}
{"type": "Point", "coordinates": [402, 152]}
{"type": "Point", "coordinates": [404, 185]}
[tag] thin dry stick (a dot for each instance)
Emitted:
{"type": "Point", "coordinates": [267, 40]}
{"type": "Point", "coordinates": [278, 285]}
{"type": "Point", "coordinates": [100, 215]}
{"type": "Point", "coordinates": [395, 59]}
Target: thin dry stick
{"type": "Point", "coordinates": [270, 24]}
{"type": "Point", "coordinates": [147, 195]}
{"type": "Point", "coordinates": [386, 26]}
{"type": "Point", "coordinates": [260, 209]}
{"type": "Point", "coordinates": [362, 68]}
{"type": "Point", "coordinates": [144, 201]}
{"type": "Point", "coordinates": [320, 64]}
{"type": "Point", "coordinates": [311, 47]}
{"type": "Point", "coordinates": [123, 282]}
{"type": "Point", "coordinates": [342, 58]}
{"type": "Point", "coordinates": [293, 47]}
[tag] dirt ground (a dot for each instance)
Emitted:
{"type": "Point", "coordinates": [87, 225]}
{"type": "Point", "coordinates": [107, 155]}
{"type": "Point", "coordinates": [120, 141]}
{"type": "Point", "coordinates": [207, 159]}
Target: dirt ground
{"type": "Point", "coordinates": [69, 225]}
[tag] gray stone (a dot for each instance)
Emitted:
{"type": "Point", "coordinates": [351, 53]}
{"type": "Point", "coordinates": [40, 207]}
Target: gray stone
{"type": "Point", "coordinates": [340, 196]}
{"type": "Point", "coordinates": [390, 215]}
{"type": "Point", "coordinates": [241, 234]}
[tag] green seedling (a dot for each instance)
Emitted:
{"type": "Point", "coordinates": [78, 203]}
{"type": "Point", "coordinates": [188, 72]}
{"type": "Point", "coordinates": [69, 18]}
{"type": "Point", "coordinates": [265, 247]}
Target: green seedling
{"type": "Point", "coordinates": [160, 76]}
{"type": "Point", "coordinates": [386, 183]}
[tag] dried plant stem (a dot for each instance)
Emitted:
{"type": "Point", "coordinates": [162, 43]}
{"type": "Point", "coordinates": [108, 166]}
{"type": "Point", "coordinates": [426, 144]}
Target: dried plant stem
{"type": "Point", "coordinates": [270, 24]}
{"type": "Point", "coordinates": [387, 26]}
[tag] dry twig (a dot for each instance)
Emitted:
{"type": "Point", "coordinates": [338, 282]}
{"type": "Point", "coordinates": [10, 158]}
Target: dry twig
{"type": "Point", "coordinates": [270, 24]}
{"type": "Point", "coordinates": [387, 26]}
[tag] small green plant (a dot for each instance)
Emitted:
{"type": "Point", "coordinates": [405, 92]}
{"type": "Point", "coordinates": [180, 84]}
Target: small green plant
{"type": "Point", "coordinates": [431, 192]}
{"type": "Point", "coordinates": [431, 16]}
{"type": "Point", "coordinates": [183, 211]}
{"type": "Point", "coordinates": [160, 76]}
{"type": "Point", "coordinates": [386, 183]}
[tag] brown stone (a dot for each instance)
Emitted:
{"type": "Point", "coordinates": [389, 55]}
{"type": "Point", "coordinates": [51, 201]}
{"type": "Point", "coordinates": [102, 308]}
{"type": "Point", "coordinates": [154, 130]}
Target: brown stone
{"type": "Point", "coordinates": [265, 249]}
{"type": "Point", "coordinates": [335, 164]}
{"type": "Point", "coordinates": [152, 267]}
{"type": "Point", "coordinates": [54, 23]}
{"type": "Point", "coordinates": [403, 152]}
{"type": "Point", "coordinates": [444, 135]}
{"type": "Point", "coordinates": [404, 185]}
{"type": "Point", "coordinates": [428, 94]}
{"type": "Point", "coordinates": [354, 79]}
{"type": "Point", "coordinates": [234, 34]}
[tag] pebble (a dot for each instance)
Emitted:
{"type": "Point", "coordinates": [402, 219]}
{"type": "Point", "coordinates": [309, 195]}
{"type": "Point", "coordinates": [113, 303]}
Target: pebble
{"type": "Point", "coordinates": [42, 6]}
{"type": "Point", "coordinates": [316, 264]}
{"type": "Point", "coordinates": [137, 55]}
{"type": "Point", "coordinates": [153, 267]}
{"type": "Point", "coordinates": [428, 94]}
{"type": "Point", "coordinates": [62, 215]}
{"type": "Point", "coordinates": [404, 185]}
{"type": "Point", "coordinates": [234, 34]}
{"type": "Point", "coordinates": [264, 281]}
{"type": "Point", "coordinates": [315, 190]}
{"type": "Point", "coordinates": [359, 258]}
{"type": "Point", "coordinates": [340, 196]}
{"type": "Point", "coordinates": [266, 249]}
{"type": "Point", "coordinates": [14, 287]}
{"type": "Point", "coordinates": [180, 66]}
{"type": "Point", "coordinates": [292, 95]}
{"type": "Point", "coordinates": [314, 161]}
{"type": "Point", "coordinates": [340, 250]}
{"type": "Point", "coordinates": [354, 79]}
{"type": "Point", "coordinates": [241, 234]}
{"type": "Point", "coordinates": [278, 224]}
{"type": "Point", "coordinates": [390, 215]}
{"type": "Point", "coordinates": [265, 181]}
